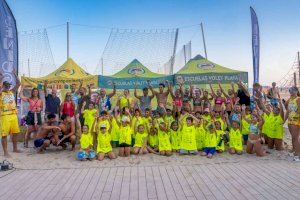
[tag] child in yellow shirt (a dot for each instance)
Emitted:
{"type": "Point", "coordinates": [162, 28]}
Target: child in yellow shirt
{"type": "Point", "coordinates": [104, 147]}
{"type": "Point", "coordinates": [86, 145]}
{"type": "Point", "coordinates": [164, 144]}
{"type": "Point", "coordinates": [140, 146]}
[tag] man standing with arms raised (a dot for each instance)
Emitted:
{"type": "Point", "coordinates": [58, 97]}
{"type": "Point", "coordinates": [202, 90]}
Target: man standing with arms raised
{"type": "Point", "coordinates": [8, 114]}
{"type": "Point", "coordinates": [145, 99]}
{"type": "Point", "coordinates": [161, 96]}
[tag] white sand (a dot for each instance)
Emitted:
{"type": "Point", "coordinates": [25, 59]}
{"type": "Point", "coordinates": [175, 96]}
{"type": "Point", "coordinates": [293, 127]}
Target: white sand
{"type": "Point", "coordinates": [55, 158]}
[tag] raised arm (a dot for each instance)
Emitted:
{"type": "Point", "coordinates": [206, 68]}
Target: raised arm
{"type": "Point", "coordinates": [45, 88]}
{"type": "Point", "coordinates": [18, 82]}
{"type": "Point", "coordinates": [89, 90]}
{"type": "Point", "coordinates": [172, 92]}
{"type": "Point", "coordinates": [151, 88]}
{"type": "Point", "coordinates": [22, 95]}
{"type": "Point", "coordinates": [232, 88]}
{"type": "Point", "coordinates": [135, 93]}
{"type": "Point", "coordinates": [244, 88]}
{"type": "Point", "coordinates": [212, 90]}
{"type": "Point", "coordinates": [80, 86]}
{"type": "Point", "coordinates": [281, 107]}
{"type": "Point", "coordinates": [191, 90]}
{"type": "Point", "coordinates": [223, 92]}
{"type": "Point", "coordinates": [114, 91]}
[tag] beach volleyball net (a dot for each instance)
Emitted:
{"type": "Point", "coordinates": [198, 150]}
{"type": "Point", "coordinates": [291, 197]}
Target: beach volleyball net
{"type": "Point", "coordinates": [155, 48]}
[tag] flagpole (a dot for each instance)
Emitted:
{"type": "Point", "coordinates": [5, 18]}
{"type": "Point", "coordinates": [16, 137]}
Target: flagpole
{"type": "Point", "coordinates": [203, 38]}
{"type": "Point", "coordinates": [299, 65]}
{"type": "Point", "coordinates": [68, 40]}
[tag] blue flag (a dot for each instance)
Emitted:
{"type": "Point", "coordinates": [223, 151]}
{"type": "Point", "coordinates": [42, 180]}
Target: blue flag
{"type": "Point", "coordinates": [8, 43]}
{"type": "Point", "coordinates": [255, 45]}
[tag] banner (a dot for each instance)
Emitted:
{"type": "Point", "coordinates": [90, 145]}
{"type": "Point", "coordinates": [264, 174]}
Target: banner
{"type": "Point", "coordinates": [8, 43]}
{"type": "Point", "coordinates": [209, 77]}
{"type": "Point", "coordinates": [129, 83]}
{"type": "Point", "coordinates": [59, 82]}
{"type": "Point", "coordinates": [255, 45]}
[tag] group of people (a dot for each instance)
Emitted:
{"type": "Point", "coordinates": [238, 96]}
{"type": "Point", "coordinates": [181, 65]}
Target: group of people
{"type": "Point", "coordinates": [185, 120]}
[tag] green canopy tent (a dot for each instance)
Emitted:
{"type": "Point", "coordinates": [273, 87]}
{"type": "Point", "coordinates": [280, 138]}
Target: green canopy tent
{"type": "Point", "coordinates": [200, 71]}
{"type": "Point", "coordinates": [136, 69]}
{"type": "Point", "coordinates": [134, 73]}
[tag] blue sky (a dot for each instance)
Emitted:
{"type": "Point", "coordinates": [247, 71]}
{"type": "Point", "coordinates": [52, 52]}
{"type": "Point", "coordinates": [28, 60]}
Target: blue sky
{"type": "Point", "coordinates": [227, 28]}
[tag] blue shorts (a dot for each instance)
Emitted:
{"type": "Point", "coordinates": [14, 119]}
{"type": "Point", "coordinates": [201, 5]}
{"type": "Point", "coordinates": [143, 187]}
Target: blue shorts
{"type": "Point", "coordinates": [245, 138]}
{"type": "Point", "coordinates": [210, 150]}
{"type": "Point", "coordinates": [186, 152]}
{"type": "Point", "coordinates": [39, 142]}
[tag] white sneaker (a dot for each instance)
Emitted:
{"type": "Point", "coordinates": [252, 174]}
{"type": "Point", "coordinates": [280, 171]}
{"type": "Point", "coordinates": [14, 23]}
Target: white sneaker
{"type": "Point", "coordinates": [296, 159]}
{"type": "Point", "coordinates": [291, 154]}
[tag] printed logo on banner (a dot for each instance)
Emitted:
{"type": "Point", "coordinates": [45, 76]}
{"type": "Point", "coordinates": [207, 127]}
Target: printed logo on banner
{"type": "Point", "coordinates": [136, 70]}
{"type": "Point", "coordinates": [179, 79]}
{"type": "Point", "coordinates": [206, 66]}
{"type": "Point", "coordinates": [65, 72]}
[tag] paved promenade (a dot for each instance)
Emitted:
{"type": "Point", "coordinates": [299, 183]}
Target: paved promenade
{"type": "Point", "coordinates": [57, 175]}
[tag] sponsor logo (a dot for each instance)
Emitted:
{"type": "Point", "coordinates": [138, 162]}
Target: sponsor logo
{"type": "Point", "coordinates": [65, 72]}
{"type": "Point", "coordinates": [136, 70]}
{"type": "Point", "coordinates": [206, 66]}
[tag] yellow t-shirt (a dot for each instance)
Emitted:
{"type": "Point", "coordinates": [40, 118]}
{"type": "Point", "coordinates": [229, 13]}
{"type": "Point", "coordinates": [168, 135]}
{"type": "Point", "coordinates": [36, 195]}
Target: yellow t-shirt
{"type": "Point", "coordinates": [89, 117]}
{"type": "Point", "coordinates": [153, 141]}
{"type": "Point", "coordinates": [200, 137]}
{"type": "Point", "coordinates": [175, 139]}
{"type": "Point", "coordinates": [245, 125]}
{"type": "Point", "coordinates": [267, 123]}
{"type": "Point", "coordinates": [235, 139]}
{"type": "Point", "coordinates": [124, 102]}
{"type": "Point", "coordinates": [188, 138]}
{"type": "Point", "coordinates": [125, 135]}
{"type": "Point", "coordinates": [140, 139]}
{"type": "Point", "coordinates": [164, 143]}
{"type": "Point", "coordinates": [211, 140]}
{"type": "Point", "coordinates": [276, 128]}
{"type": "Point", "coordinates": [86, 141]}
{"type": "Point", "coordinates": [168, 120]}
{"type": "Point", "coordinates": [104, 145]}
{"type": "Point", "coordinates": [115, 130]}
{"type": "Point", "coordinates": [220, 142]}
{"type": "Point", "coordinates": [7, 103]}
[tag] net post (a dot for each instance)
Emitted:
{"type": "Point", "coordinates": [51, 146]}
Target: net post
{"type": "Point", "coordinates": [174, 52]}
{"type": "Point", "coordinates": [203, 38]}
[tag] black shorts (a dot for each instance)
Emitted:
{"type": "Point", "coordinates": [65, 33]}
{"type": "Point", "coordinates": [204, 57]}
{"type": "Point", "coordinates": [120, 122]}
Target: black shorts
{"type": "Point", "coordinates": [124, 145]}
{"type": "Point", "coordinates": [67, 140]}
{"type": "Point", "coordinates": [30, 118]}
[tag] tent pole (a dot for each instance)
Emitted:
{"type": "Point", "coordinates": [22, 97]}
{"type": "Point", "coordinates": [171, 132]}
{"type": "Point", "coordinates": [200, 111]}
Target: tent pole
{"type": "Point", "coordinates": [174, 52]}
{"type": "Point", "coordinates": [299, 64]}
{"type": "Point", "coordinates": [68, 41]}
{"type": "Point", "coordinates": [102, 66]}
{"type": "Point", "coordinates": [184, 54]}
{"type": "Point", "coordinates": [28, 66]}
{"type": "Point", "coordinates": [203, 38]}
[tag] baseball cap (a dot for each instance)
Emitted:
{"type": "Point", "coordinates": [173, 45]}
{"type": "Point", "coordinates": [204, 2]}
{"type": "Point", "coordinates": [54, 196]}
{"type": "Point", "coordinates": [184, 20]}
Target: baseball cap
{"type": "Point", "coordinates": [102, 126]}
